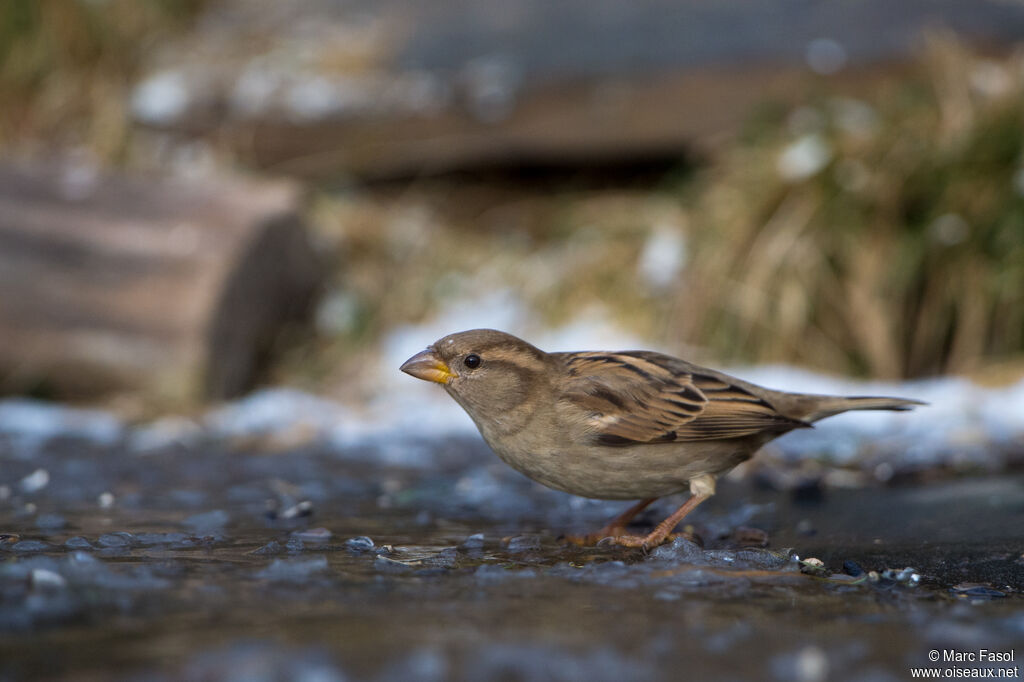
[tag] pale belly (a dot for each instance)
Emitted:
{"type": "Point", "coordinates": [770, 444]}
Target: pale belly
{"type": "Point", "coordinates": [626, 473]}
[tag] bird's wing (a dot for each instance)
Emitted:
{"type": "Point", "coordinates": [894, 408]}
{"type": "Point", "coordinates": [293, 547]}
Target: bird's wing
{"type": "Point", "coordinates": [642, 397]}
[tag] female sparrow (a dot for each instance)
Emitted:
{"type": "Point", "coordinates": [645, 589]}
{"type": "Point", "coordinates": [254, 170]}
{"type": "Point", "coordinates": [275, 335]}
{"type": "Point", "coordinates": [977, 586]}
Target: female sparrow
{"type": "Point", "coordinates": [617, 425]}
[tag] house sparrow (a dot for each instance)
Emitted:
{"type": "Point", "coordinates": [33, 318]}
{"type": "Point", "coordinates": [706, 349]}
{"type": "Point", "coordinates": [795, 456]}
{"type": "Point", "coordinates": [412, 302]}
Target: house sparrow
{"type": "Point", "coordinates": [617, 425]}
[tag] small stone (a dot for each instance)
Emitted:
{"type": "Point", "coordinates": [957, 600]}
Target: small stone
{"type": "Point", "coordinates": [26, 546]}
{"type": "Point", "coordinates": [360, 544]}
{"type": "Point", "coordinates": [46, 579]}
{"type": "Point", "coordinates": [115, 540]}
{"type": "Point", "coordinates": [295, 545]}
{"type": "Point", "coordinates": [873, 576]}
{"type": "Point", "coordinates": [386, 565]}
{"type": "Point", "coordinates": [105, 500]}
{"type": "Point", "coordinates": [474, 541]}
{"type": "Point", "coordinates": [812, 566]}
{"type": "Point", "coordinates": [272, 547]}
{"type": "Point", "coordinates": [523, 543]}
{"type": "Point", "coordinates": [851, 567]}
{"type": "Point", "coordinates": [77, 542]}
{"type": "Point", "coordinates": [35, 481]}
{"type": "Point", "coordinates": [304, 508]}
{"type": "Point", "coordinates": [975, 591]}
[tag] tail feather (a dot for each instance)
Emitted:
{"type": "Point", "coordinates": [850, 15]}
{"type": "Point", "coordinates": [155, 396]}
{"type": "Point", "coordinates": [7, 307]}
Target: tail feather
{"type": "Point", "coordinates": [815, 407]}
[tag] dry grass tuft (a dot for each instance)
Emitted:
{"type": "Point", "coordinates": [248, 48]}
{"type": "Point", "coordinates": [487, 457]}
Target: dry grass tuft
{"type": "Point", "coordinates": [882, 237]}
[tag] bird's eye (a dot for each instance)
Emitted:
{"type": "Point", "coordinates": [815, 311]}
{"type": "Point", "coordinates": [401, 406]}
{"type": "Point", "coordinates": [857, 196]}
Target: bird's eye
{"type": "Point", "coordinates": [472, 361]}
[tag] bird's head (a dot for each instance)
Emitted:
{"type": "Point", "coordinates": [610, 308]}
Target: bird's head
{"type": "Point", "coordinates": [491, 374]}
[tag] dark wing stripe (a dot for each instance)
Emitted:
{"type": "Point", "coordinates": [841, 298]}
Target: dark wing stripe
{"type": "Point", "coordinates": [636, 370]}
{"type": "Point", "coordinates": [691, 394]}
{"type": "Point", "coordinates": [637, 397]}
{"type": "Point", "coordinates": [614, 440]}
{"type": "Point", "coordinates": [690, 408]}
{"type": "Point", "coordinates": [710, 383]}
{"type": "Point", "coordinates": [609, 396]}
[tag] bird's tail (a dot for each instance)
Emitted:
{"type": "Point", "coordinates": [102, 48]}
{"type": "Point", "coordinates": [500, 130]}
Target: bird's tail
{"type": "Point", "coordinates": [817, 407]}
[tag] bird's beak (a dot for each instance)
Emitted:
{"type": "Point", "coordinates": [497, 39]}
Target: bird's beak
{"type": "Point", "coordinates": [427, 366]}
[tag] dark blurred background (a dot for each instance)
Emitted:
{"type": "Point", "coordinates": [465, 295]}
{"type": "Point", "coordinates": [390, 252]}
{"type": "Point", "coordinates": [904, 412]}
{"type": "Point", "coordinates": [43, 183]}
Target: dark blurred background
{"type": "Point", "coordinates": [201, 196]}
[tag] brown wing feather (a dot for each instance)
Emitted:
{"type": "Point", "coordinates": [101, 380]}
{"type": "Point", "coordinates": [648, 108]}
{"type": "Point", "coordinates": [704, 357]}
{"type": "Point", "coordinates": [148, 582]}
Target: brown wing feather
{"type": "Point", "coordinates": [642, 397]}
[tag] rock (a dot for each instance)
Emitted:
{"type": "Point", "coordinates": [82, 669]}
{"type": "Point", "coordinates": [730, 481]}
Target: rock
{"type": "Point", "coordinates": [116, 540]}
{"type": "Point", "coordinates": [852, 568]}
{"type": "Point", "coordinates": [474, 541]}
{"type": "Point", "coordinates": [77, 542]}
{"type": "Point", "coordinates": [523, 543]}
{"type": "Point", "coordinates": [360, 544]}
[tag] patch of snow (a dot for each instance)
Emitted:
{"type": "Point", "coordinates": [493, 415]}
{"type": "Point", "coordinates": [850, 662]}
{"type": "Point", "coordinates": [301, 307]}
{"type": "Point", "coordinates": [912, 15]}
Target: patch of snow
{"type": "Point", "coordinates": [663, 256]}
{"type": "Point", "coordinates": [30, 424]}
{"type": "Point", "coordinates": [162, 98]}
{"type": "Point", "coordinates": [804, 158]}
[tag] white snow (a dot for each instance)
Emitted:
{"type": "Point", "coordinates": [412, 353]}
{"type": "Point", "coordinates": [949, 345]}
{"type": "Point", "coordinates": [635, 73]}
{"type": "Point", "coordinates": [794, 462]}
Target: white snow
{"type": "Point", "coordinates": [406, 417]}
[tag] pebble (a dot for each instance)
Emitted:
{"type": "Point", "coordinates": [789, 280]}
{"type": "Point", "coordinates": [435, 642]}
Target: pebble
{"type": "Point", "coordinates": [474, 541]}
{"type": "Point", "coordinates": [977, 591]}
{"type": "Point", "coordinates": [851, 567]}
{"type": "Point", "coordinates": [523, 543]}
{"type": "Point", "coordinates": [386, 565]}
{"type": "Point", "coordinates": [105, 500]}
{"type": "Point", "coordinates": [907, 575]}
{"type": "Point", "coordinates": [178, 540]}
{"type": "Point", "coordinates": [118, 539]}
{"type": "Point", "coordinates": [812, 565]}
{"type": "Point", "coordinates": [77, 542]}
{"type": "Point", "coordinates": [31, 546]}
{"type": "Point", "coordinates": [360, 544]}
{"type": "Point", "coordinates": [304, 508]}
{"type": "Point", "coordinates": [272, 547]}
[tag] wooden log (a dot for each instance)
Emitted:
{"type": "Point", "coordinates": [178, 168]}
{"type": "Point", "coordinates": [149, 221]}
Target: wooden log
{"type": "Point", "coordinates": [177, 289]}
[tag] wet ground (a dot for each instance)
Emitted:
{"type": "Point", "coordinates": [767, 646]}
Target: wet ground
{"type": "Point", "coordinates": [240, 561]}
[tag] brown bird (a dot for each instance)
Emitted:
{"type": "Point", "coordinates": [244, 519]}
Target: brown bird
{"type": "Point", "coordinates": [618, 425]}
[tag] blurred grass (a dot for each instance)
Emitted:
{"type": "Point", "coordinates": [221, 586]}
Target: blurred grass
{"type": "Point", "coordinates": [879, 236]}
{"type": "Point", "coordinates": [902, 256]}
{"type": "Point", "coordinates": [896, 250]}
{"type": "Point", "coordinates": [66, 67]}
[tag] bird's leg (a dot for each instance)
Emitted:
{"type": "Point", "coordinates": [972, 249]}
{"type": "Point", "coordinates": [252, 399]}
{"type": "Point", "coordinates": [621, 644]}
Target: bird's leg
{"type": "Point", "coordinates": [701, 488]}
{"type": "Point", "coordinates": [614, 528]}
